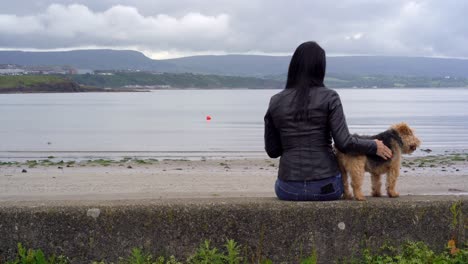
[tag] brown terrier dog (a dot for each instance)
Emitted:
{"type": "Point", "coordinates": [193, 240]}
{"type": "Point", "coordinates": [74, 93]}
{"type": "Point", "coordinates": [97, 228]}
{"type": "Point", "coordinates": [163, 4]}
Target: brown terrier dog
{"type": "Point", "coordinates": [400, 138]}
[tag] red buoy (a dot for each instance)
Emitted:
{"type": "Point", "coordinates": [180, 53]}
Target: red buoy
{"type": "Point", "coordinates": [208, 118]}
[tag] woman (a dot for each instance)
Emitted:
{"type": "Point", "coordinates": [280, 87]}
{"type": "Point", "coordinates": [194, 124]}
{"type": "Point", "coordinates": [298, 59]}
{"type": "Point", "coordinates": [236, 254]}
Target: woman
{"type": "Point", "coordinates": [299, 125]}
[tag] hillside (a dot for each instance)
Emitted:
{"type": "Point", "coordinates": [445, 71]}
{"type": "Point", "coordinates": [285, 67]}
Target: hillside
{"type": "Point", "coordinates": [189, 80]}
{"type": "Point", "coordinates": [43, 84]}
{"type": "Point", "coordinates": [135, 81]}
{"type": "Point", "coordinates": [172, 80]}
{"type": "Point", "coordinates": [87, 59]}
{"type": "Point", "coordinates": [239, 65]}
{"type": "Point", "coordinates": [253, 65]}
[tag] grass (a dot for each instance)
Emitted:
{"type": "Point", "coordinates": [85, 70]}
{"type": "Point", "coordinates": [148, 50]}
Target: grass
{"type": "Point", "coordinates": [231, 253]}
{"type": "Point", "coordinates": [32, 256]}
{"type": "Point", "coordinates": [28, 80]}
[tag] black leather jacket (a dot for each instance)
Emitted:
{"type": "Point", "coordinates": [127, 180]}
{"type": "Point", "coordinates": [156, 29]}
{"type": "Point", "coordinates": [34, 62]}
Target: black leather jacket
{"type": "Point", "coordinates": [305, 147]}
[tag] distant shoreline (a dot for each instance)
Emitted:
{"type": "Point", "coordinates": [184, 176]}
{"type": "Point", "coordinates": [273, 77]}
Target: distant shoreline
{"type": "Point", "coordinates": [97, 90]}
{"type": "Point", "coordinates": [21, 90]}
{"type": "Point", "coordinates": [117, 81]}
{"type": "Point", "coordinates": [24, 84]}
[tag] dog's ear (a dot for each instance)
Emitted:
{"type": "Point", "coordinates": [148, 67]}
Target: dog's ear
{"type": "Point", "coordinates": [403, 128]}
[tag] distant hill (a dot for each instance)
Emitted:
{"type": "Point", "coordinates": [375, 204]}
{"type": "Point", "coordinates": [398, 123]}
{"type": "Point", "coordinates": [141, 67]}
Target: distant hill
{"type": "Point", "coordinates": [349, 65]}
{"type": "Point", "coordinates": [242, 65]}
{"type": "Point", "coordinates": [238, 65]}
{"type": "Point", "coordinates": [87, 59]}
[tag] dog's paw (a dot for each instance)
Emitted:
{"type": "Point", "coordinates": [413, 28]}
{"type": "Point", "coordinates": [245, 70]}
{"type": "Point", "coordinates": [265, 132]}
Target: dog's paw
{"type": "Point", "coordinates": [348, 196]}
{"type": "Point", "coordinates": [393, 194]}
{"type": "Point", "coordinates": [376, 194]}
{"type": "Point", "coordinates": [360, 198]}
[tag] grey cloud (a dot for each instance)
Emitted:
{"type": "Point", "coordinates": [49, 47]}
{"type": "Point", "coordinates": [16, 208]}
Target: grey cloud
{"type": "Point", "coordinates": [408, 28]}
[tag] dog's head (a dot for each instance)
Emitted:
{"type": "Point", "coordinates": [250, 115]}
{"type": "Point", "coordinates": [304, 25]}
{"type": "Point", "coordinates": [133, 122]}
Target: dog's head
{"type": "Point", "coordinates": [410, 141]}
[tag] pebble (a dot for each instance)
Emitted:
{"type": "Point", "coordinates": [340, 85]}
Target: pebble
{"type": "Point", "coordinates": [24, 171]}
{"type": "Point", "coordinates": [93, 212]}
{"type": "Point", "coordinates": [341, 225]}
{"type": "Point", "coordinates": [129, 167]}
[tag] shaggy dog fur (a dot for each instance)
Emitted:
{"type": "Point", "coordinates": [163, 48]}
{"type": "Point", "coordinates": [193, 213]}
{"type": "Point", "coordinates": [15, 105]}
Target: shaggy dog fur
{"type": "Point", "coordinates": [400, 138]}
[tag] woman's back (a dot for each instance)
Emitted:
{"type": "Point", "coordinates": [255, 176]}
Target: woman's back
{"type": "Point", "coordinates": [307, 152]}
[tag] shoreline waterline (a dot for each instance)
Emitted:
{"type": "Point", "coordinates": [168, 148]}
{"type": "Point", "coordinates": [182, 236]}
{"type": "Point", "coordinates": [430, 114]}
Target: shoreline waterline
{"type": "Point", "coordinates": [174, 155]}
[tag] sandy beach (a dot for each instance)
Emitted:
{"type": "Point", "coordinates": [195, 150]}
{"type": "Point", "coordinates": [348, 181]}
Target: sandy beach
{"type": "Point", "coordinates": [164, 179]}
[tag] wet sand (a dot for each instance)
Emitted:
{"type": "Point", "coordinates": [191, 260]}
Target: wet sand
{"type": "Point", "coordinates": [212, 178]}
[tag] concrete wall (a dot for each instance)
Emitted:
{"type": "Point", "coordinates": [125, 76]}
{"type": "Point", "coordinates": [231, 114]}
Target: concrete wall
{"type": "Point", "coordinates": [282, 231]}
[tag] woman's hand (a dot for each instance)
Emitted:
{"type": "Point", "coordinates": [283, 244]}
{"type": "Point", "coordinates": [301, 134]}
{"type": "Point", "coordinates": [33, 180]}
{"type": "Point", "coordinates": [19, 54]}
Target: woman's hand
{"type": "Point", "coordinates": [383, 151]}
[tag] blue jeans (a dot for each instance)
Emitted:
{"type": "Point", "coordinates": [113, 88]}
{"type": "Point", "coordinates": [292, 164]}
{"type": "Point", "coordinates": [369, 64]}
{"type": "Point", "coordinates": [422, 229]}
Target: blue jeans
{"type": "Point", "coordinates": [320, 190]}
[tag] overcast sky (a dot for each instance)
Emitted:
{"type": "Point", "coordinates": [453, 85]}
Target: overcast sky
{"type": "Point", "coordinates": [172, 28]}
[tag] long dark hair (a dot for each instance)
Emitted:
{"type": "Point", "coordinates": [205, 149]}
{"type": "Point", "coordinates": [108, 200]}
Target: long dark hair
{"type": "Point", "coordinates": [306, 70]}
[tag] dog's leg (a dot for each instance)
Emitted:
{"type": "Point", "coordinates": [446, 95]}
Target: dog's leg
{"type": "Point", "coordinates": [344, 176]}
{"type": "Point", "coordinates": [392, 176]}
{"type": "Point", "coordinates": [357, 177]}
{"type": "Point", "coordinates": [376, 185]}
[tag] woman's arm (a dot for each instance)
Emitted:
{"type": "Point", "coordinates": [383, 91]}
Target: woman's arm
{"type": "Point", "coordinates": [272, 138]}
{"type": "Point", "coordinates": [346, 142]}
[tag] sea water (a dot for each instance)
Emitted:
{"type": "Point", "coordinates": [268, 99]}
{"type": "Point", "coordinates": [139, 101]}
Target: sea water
{"type": "Point", "coordinates": [173, 123]}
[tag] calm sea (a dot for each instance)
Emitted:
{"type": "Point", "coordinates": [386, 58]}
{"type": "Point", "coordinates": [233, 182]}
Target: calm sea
{"type": "Point", "coordinates": [173, 123]}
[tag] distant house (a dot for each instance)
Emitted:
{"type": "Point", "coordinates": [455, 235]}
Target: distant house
{"type": "Point", "coordinates": [85, 71]}
{"type": "Point", "coordinates": [11, 71]}
{"type": "Point", "coordinates": [105, 73]}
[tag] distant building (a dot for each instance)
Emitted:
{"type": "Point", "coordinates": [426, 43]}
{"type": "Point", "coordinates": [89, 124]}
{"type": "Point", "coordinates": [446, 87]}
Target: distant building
{"type": "Point", "coordinates": [11, 71]}
{"type": "Point", "coordinates": [105, 73]}
{"type": "Point", "coordinates": [85, 71]}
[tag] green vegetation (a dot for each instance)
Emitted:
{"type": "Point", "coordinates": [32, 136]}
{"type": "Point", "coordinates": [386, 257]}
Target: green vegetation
{"type": "Point", "coordinates": [413, 252]}
{"type": "Point", "coordinates": [95, 162]}
{"type": "Point", "coordinates": [41, 84]}
{"type": "Point", "coordinates": [387, 81]}
{"type": "Point", "coordinates": [45, 84]}
{"type": "Point", "coordinates": [231, 253]}
{"type": "Point", "coordinates": [436, 161]}
{"type": "Point", "coordinates": [32, 256]}
{"type": "Point", "coordinates": [123, 79]}
{"type": "Point", "coordinates": [29, 80]}
{"type": "Point", "coordinates": [9, 163]}
{"type": "Point", "coordinates": [189, 80]}
{"type": "Point", "coordinates": [173, 80]}
{"type": "Point", "coordinates": [334, 80]}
